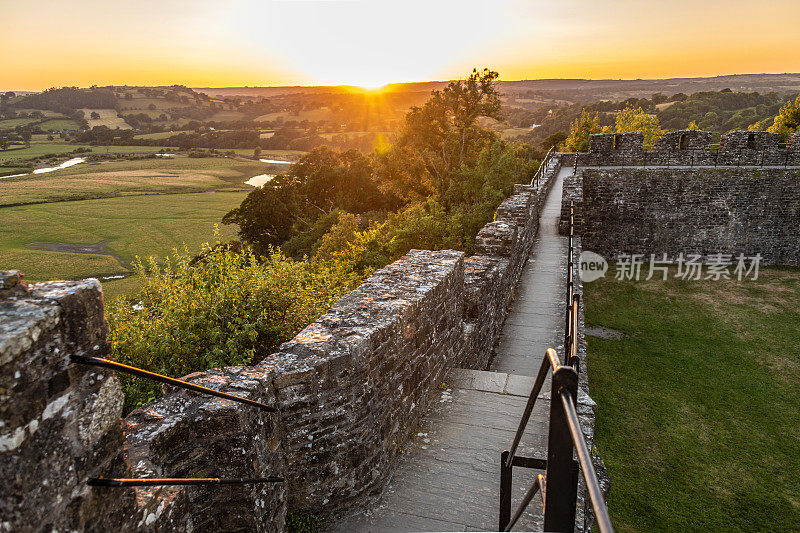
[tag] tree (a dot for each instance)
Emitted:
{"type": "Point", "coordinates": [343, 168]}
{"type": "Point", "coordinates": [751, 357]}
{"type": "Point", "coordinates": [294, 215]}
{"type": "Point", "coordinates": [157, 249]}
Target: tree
{"type": "Point", "coordinates": [95, 115]}
{"type": "Point", "coordinates": [788, 118]}
{"type": "Point", "coordinates": [318, 184]}
{"type": "Point", "coordinates": [658, 98]}
{"type": "Point", "coordinates": [693, 125]}
{"type": "Point", "coordinates": [635, 119]}
{"type": "Point", "coordinates": [444, 133]}
{"type": "Point", "coordinates": [579, 131]}
{"type": "Point", "coordinates": [256, 152]}
{"type": "Point", "coordinates": [553, 140]}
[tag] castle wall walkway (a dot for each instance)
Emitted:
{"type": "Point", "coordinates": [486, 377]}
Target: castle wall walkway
{"type": "Point", "coordinates": [448, 478]}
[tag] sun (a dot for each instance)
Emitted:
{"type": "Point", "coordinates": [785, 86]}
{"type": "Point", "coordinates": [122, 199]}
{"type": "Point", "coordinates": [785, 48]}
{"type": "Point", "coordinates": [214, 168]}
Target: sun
{"type": "Point", "coordinates": [373, 87]}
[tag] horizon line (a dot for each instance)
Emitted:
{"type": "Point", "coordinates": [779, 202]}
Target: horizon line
{"type": "Point", "coordinates": [350, 86]}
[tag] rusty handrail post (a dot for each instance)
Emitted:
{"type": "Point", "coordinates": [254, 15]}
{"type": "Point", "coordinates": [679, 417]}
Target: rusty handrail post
{"type": "Point", "coordinates": [538, 485]}
{"type": "Point", "coordinates": [573, 360]}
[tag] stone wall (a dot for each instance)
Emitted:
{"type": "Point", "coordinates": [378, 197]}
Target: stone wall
{"type": "Point", "coordinates": [350, 388]}
{"type": "Point", "coordinates": [61, 425]}
{"type": "Point", "coordinates": [702, 211]}
{"type": "Point", "coordinates": [691, 148]}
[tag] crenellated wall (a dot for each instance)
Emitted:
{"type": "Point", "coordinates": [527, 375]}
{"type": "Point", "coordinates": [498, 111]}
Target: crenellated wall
{"type": "Point", "coordinates": [691, 211]}
{"type": "Point", "coordinates": [691, 148]}
{"type": "Point", "coordinates": [350, 388]}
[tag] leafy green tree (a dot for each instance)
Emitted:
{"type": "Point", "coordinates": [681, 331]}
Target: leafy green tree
{"type": "Point", "coordinates": [788, 118]}
{"type": "Point", "coordinates": [635, 119]}
{"type": "Point", "coordinates": [319, 183]}
{"type": "Point", "coordinates": [553, 140]}
{"type": "Point", "coordinates": [444, 134]}
{"type": "Point", "coordinates": [579, 131]}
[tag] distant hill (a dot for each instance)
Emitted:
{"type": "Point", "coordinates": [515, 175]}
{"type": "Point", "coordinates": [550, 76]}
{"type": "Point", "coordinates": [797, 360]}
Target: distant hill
{"type": "Point", "coordinates": [568, 89]}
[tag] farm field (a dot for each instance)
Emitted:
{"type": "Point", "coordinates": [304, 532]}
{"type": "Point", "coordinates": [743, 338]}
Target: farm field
{"type": "Point", "coordinates": [124, 227]}
{"type": "Point", "coordinates": [112, 211]}
{"type": "Point", "coordinates": [37, 150]}
{"type": "Point", "coordinates": [118, 178]}
{"type": "Point", "coordinates": [108, 117]}
{"type": "Point", "coordinates": [274, 154]}
{"type": "Point", "coordinates": [14, 122]}
{"type": "Point", "coordinates": [322, 113]}
{"type": "Point", "coordinates": [697, 404]}
{"type": "Point", "coordinates": [162, 135]}
{"type": "Point", "coordinates": [59, 124]}
{"type": "Point", "coordinates": [50, 148]}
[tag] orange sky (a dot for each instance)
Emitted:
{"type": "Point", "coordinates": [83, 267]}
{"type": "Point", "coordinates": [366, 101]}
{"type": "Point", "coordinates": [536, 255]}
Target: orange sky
{"type": "Point", "coordinates": [48, 43]}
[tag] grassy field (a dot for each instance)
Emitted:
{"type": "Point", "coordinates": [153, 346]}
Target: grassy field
{"type": "Point", "coordinates": [108, 117]}
{"type": "Point", "coordinates": [47, 148]}
{"type": "Point", "coordinates": [144, 103]}
{"type": "Point", "coordinates": [271, 154]}
{"type": "Point", "coordinates": [128, 226]}
{"type": "Point", "coordinates": [37, 150]}
{"type": "Point", "coordinates": [698, 409]}
{"type": "Point", "coordinates": [162, 135]}
{"type": "Point", "coordinates": [121, 178]}
{"type": "Point", "coordinates": [14, 122]}
{"type": "Point", "coordinates": [321, 113]}
{"type": "Point", "coordinates": [59, 124]}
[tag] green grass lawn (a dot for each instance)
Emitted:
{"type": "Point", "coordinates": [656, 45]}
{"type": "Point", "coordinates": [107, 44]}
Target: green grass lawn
{"type": "Point", "coordinates": [14, 122]}
{"type": "Point", "coordinates": [162, 135]}
{"type": "Point", "coordinates": [38, 150]}
{"type": "Point", "coordinates": [59, 124]}
{"type": "Point", "coordinates": [135, 225]}
{"type": "Point", "coordinates": [117, 178]}
{"type": "Point", "coordinates": [698, 416]}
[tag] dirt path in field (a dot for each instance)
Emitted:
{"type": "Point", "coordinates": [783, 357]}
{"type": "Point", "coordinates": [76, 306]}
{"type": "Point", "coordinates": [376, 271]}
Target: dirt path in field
{"type": "Point", "coordinates": [97, 249]}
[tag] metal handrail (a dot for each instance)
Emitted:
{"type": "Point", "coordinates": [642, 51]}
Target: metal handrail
{"type": "Point", "coordinates": [539, 485]}
{"type": "Point", "coordinates": [550, 361]}
{"type": "Point", "coordinates": [564, 435]}
{"type": "Point", "coordinates": [157, 482]}
{"type": "Point", "coordinates": [587, 467]}
{"type": "Point", "coordinates": [542, 167]}
{"type": "Point", "coordinates": [138, 372]}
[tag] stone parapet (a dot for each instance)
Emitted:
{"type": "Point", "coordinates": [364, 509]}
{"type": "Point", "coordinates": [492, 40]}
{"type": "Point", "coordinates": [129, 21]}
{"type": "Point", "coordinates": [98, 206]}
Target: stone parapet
{"type": "Point", "coordinates": [691, 148]}
{"type": "Point", "coordinates": [691, 211]}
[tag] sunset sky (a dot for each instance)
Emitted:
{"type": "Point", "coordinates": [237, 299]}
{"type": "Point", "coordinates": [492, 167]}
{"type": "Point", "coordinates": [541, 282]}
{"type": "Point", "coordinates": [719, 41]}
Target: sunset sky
{"type": "Point", "coordinates": [48, 43]}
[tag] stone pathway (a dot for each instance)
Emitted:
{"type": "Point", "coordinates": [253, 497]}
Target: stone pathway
{"type": "Point", "coordinates": [448, 478]}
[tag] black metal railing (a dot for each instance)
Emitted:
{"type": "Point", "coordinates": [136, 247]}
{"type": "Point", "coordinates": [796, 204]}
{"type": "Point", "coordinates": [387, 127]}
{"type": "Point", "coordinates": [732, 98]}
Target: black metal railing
{"type": "Point", "coordinates": [149, 482]}
{"type": "Point", "coordinates": [537, 178]}
{"type": "Point", "coordinates": [558, 487]}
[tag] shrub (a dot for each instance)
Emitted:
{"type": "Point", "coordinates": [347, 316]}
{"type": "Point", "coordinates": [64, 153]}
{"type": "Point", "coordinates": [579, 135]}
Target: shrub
{"type": "Point", "coordinates": [227, 309]}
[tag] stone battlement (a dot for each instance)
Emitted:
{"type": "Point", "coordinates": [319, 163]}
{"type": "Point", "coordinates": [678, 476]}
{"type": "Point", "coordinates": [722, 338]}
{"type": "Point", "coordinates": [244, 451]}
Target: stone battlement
{"type": "Point", "coordinates": [691, 148]}
{"type": "Point", "coordinates": [687, 210]}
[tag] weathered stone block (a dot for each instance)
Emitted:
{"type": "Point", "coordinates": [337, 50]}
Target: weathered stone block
{"type": "Point", "coordinates": [60, 421]}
